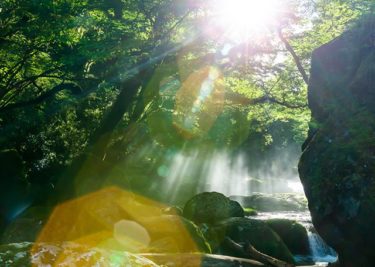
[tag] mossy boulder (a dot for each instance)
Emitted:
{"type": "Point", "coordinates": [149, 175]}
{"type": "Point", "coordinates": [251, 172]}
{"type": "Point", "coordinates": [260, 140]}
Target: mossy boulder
{"type": "Point", "coordinates": [248, 231]}
{"type": "Point", "coordinates": [337, 165]}
{"type": "Point", "coordinates": [211, 207]}
{"type": "Point", "coordinates": [293, 234]}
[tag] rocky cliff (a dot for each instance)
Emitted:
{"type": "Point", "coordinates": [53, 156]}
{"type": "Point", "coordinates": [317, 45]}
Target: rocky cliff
{"type": "Point", "coordinates": [337, 167]}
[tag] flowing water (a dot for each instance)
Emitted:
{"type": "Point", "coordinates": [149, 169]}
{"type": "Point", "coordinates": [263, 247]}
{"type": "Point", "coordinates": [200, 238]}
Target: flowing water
{"type": "Point", "coordinates": [320, 252]}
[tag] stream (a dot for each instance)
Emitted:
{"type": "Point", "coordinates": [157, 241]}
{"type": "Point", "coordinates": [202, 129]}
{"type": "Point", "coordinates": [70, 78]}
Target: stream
{"type": "Point", "coordinates": [321, 253]}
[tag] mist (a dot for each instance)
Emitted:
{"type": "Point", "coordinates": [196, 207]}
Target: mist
{"type": "Point", "coordinates": [200, 170]}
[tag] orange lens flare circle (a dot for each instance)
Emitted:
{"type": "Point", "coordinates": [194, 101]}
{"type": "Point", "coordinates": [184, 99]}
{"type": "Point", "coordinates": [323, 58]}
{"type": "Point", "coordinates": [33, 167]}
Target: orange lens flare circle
{"type": "Point", "coordinates": [199, 102]}
{"type": "Point", "coordinates": [108, 220]}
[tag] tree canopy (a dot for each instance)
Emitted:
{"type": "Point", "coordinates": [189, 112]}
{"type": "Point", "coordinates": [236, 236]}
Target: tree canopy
{"type": "Point", "coordinates": [83, 82]}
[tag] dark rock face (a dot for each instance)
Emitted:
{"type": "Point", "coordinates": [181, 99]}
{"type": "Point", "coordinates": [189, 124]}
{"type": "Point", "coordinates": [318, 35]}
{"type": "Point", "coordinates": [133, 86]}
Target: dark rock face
{"type": "Point", "coordinates": [211, 207]}
{"type": "Point", "coordinates": [337, 167]}
{"type": "Point", "coordinates": [293, 234]}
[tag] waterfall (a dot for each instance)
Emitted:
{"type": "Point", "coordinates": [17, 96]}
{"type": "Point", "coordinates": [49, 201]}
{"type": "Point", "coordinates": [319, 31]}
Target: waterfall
{"type": "Point", "coordinates": [320, 251]}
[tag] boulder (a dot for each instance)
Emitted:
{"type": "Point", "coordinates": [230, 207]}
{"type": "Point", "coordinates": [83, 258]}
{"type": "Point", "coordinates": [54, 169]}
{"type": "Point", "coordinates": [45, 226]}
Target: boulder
{"type": "Point", "coordinates": [248, 231]}
{"type": "Point", "coordinates": [273, 202]}
{"type": "Point", "coordinates": [293, 234]}
{"type": "Point", "coordinates": [337, 165]}
{"type": "Point", "coordinates": [211, 207]}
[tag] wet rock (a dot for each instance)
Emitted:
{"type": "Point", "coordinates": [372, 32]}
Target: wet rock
{"type": "Point", "coordinates": [293, 234]}
{"type": "Point", "coordinates": [338, 162]}
{"type": "Point", "coordinates": [211, 207]}
{"type": "Point", "coordinates": [248, 231]}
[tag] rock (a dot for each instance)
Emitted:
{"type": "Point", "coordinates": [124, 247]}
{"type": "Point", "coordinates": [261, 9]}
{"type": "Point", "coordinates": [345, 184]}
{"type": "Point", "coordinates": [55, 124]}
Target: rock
{"type": "Point", "coordinates": [211, 207]}
{"type": "Point", "coordinates": [244, 230]}
{"type": "Point", "coordinates": [72, 254]}
{"type": "Point", "coordinates": [337, 165]}
{"type": "Point", "coordinates": [66, 254]}
{"type": "Point", "coordinates": [273, 202]}
{"type": "Point", "coordinates": [116, 219]}
{"type": "Point", "coordinates": [235, 209]}
{"type": "Point", "coordinates": [293, 234]}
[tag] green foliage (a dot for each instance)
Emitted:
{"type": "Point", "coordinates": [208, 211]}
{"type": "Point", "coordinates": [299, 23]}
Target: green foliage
{"type": "Point", "coordinates": [64, 63]}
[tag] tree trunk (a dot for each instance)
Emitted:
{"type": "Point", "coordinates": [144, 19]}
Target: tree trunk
{"type": "Point", "coordinates": [255, 254]}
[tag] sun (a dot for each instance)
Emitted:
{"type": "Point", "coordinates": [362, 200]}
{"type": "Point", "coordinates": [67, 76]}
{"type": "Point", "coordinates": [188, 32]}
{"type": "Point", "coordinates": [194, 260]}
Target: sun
{"type": "Point", "coordinates": [242, 20]}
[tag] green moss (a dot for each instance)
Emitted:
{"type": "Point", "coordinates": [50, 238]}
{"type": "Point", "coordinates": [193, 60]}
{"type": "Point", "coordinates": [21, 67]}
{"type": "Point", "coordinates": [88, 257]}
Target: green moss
{"type": "Point", "coordinates": [211, 207]}
{"type": "Point", "coordinates": [250, 212]}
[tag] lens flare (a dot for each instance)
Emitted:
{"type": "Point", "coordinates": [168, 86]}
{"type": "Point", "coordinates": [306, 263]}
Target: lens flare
{"type": "Point", "coordinates": [111, 219]}
{"type": "Point", "coordinates": [199, 102]}
{"type": "Point", "coordinates": [245, 19]}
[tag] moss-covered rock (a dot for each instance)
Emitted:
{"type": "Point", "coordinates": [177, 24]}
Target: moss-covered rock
{"type": "Point", "coordinates": [211, 207]}
{"type": "Point", "coordinates": [337, 165]}
{"type": "Point", "coordinates": [293, 234]}
{"type": "Point", "coordinates": [244, 230]}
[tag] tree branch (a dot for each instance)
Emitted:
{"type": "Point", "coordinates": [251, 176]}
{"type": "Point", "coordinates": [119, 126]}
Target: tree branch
{"type": "Point", "coordinates": [239, 99]}
{"type": "Point", "coordinates": [255, 254]}
{"type": "Point", "coordinates": [64, 86]}
{"type": "Point", "coordinates": [295, 56]}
